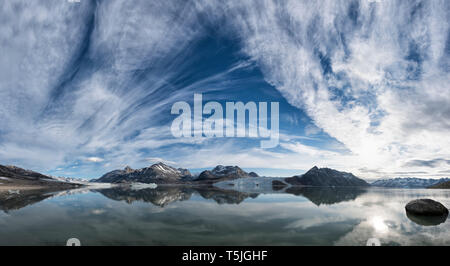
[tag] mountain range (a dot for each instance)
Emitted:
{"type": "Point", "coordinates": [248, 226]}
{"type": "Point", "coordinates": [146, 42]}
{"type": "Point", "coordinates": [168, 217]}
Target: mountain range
{"type": "Point", "coordinates": [408, 182]}
{"type": "Point", "coordinates": [161, 173]}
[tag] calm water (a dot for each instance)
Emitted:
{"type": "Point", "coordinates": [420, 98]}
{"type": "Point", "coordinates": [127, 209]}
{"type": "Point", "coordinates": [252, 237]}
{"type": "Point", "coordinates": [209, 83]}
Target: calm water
{"type": "Point", "coordinates": [188, 216]}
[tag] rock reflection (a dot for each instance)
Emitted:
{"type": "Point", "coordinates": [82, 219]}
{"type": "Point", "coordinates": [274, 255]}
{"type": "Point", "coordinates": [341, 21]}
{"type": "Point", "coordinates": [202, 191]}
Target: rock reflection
{"type": "Point", "coordinates": [427, 220]}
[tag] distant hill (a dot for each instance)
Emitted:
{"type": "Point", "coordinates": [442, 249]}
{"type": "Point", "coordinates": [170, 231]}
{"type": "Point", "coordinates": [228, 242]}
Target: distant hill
{"type": "Point", "coordinates": [11, 171]}
{"type": "Point", "coordinates": [326, 177]}
{"type": "Point", "coordinates": [441, 185]}
{"type": "Point", "coordinates": [13, 176]}
{"type": "Point", "coordinates": [409, 182]}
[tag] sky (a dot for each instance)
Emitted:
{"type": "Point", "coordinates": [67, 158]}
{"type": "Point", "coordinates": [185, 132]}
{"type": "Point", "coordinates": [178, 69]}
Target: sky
{"type": "Point", "coordinates": [363, 86]}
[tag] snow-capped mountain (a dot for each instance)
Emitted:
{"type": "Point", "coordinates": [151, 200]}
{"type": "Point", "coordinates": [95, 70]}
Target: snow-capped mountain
{"type": "Point", "coordinates": [221, 173]}
{"type": "Point", "coordinates": [408, 182]}
{"type": "Point", "coordinates": [159, 173]}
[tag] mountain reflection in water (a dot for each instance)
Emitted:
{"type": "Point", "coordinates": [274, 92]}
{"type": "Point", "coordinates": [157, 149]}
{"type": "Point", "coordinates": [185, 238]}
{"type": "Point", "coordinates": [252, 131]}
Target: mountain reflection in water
{"type": "Point", "coordinates": [183, 215]}
{"type": "Point", "coordinates": [17, 199]}
{"type": "Point", "coordinates": [165, 195]}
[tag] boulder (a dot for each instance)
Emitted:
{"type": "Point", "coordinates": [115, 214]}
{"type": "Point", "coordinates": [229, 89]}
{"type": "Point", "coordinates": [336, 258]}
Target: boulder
{"type": "Point", "coordinates": [426, 207]}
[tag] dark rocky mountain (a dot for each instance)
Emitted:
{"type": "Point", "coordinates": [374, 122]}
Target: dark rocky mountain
{"type": "Point", "coordinates": [445, 185]}
{"type": "Point", "coordinates": [222, 173]}
{"type": "Point", "coordinates": [326, 177]}
{"type": "Point", "coordinates": [408, 182]}
{"type": "Point", "coordinates": [14, 176]}
{"type": "Point", "coordinates": [159, 173]}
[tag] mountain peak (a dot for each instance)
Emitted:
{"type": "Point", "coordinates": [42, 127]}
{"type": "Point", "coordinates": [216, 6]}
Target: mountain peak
{"type": "Point", "coordinates": [160, 164]}
{"type": "Point", "coordinates": [315, 168]}
{"type": "Point", "coordinates": [128, 169]}
{"type": "Point", "coordinates": [163, 167]}
{"type": "Point", "coordinates": [326, 177]}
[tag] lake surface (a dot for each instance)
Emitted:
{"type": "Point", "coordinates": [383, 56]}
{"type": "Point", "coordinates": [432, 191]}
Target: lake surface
{"type": "Point", "coordinates": [212, 216]}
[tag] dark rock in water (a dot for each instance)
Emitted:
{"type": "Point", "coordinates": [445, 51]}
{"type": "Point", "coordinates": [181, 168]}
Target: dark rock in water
{"type": "Point", "coordinates": [427, 220]}
{"type": "Point", "coordinates": [426, 207]}
{"type": "Point", "coordinates": [278, 185]}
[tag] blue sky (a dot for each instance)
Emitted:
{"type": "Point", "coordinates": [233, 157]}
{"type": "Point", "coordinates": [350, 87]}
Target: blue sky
{"type": "Point", "coordinates": [87, 87]}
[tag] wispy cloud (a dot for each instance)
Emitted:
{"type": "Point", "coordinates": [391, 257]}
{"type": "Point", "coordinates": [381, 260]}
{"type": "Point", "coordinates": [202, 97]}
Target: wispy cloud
{"type": "Point", "coordinates": [430, 163]}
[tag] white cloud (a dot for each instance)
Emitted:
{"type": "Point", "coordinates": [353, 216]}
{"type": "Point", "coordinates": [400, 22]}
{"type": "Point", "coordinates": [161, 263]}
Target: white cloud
{"type": "Point", "coordinates": [94, 159]}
